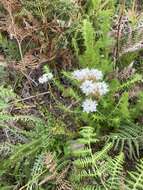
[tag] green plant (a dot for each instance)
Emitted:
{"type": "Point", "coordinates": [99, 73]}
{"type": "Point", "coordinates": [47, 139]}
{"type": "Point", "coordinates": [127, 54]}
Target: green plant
{"type": "Point", "coordinates": [98, 168]}
{"type": "Point", "coordinates": [42, 143]}
{"type": "Point", "coordinates": [135, 178]}
{"type": "Point", "coordinates": [115, 110]}
{"type": "Point", "coordinates": [9, 47]}
{"type": "Point", "coordinates": [23, 151]}
{"type": "Point", "coordinates": [94, 168]}
{"type": "Point", "coordinates": [127, 137]}
{"type": "Point", "coordinates": [96, 41]}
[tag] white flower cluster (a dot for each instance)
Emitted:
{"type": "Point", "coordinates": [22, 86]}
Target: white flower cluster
{"type": "Point", "coordinates": [91, 86]}
{"type": "Point", "coordinates": [87, 74]}
{"type": "Point", "coordinates": [45, 78]}
{"type": "Point", "coordinates": [89, 105]}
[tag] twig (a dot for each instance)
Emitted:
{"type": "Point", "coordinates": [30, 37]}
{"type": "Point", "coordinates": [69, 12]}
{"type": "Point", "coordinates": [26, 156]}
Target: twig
{"type": "Point", "coordinates": [119, 28]}
{"type": "Point", "coordinates": [31, 97]}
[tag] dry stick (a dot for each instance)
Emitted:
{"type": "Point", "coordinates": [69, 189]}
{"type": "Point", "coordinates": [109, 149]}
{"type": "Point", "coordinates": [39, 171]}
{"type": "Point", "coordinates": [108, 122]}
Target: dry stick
{"type": "Point", "coordinates": [28, 98]}
{"type": "Point", "coordinates": [119, 27]}
{"type": "Point", "coordinates": [31, 97]}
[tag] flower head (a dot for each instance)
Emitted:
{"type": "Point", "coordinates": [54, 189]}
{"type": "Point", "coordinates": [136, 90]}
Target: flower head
{"type": "Point", "coordinates": [96, 74]}
{"type": "Point", "coordinates": [87, 74]}
{"type": "Point", "coordinates": [81, 74]}
{"type": "Point", "coordinates": [89, 105]}
{"type": "Point", "coordinates": [101, 88]}
{"type": "Point", "coordinates": [45, 78]}
{"type": "Point", "coordinates": [87, 87]}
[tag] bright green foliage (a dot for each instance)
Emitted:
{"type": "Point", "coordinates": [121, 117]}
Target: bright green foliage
{"type": "Point", "coordinates": [135, 178]}
{"type": "Point", "coordinates": [99, 169]}
{"type": "Point", "coordinates": [93, 55]}
{"type": "Point", "coordinates": [36, 171]}
{"type": "Point", "coordinates": [95, 167]}
{"type": "Point", "coordinates": [88, 165]}
{"type": "Point", "coordinates": [127, 137]}
{"type": "Point", "coordinates": [115, 172]}
{"type": "Point", "coordinates": [95, 29]}
{"type": "Point", "coordinates": [90, 57]}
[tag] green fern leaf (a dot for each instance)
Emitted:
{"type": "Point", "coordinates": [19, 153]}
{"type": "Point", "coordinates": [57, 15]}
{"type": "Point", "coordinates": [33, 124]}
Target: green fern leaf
{"type": "Point", "coordinates": [116, 166]}
{"type": "Point", "coordinates": [135, 178]}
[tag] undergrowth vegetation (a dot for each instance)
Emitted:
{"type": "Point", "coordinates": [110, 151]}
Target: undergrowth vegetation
{"type": "Point", "coordinates": [71, 95]}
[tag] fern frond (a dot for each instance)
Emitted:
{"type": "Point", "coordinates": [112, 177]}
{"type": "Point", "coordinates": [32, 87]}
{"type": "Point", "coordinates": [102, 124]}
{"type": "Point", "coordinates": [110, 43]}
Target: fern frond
{"type": "Point", "coordinates": [86, 187]}
{"type": "Point", "coordinates": [5, 150]}
{"type": "Point", "coordinates": [135, 78]}
{"type": "Point", "coordinates": [127, 137]}
{"type": "Point", "coordinates": [82, 151]}
{"type": "Point", "coordinates": [84, 162]}
{"type": "Point", "coordinates": [88, 135]}
{"type": "Point", "coordinates": [88, 35]}
{"type": "Point", "coordinates": [6, 96]}
{"type": "Point", "coordinates": [19, 153]}
{"type": "Point", "coordinates": [116, 166]}
{"type": "Point", "coordinates": [132, 41]}
{"type": "Point", "coordinates": [36, 171]}
{"type": "Point", "coordinates": [89, 58]}
{"type": "Point", "coordinates": [135, 178]}
{"type": "Point", "coordinates": [6, 117]}
{"type": "Point", "coordinates": [38, 165]}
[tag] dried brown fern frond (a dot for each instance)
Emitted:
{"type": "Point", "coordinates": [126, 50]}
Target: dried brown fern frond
{"type": "Point", "coordinates": [54, 175]}
{"type": "Point", "coordinates": [132, 41]}
{"type": "Point", "coordinates": [126, 72]}
{"type": "Point", "coordinates": [50, 162]}
{"type": "Point", "coordinates": [123, 74]}
{"type": "Point", "coordinates": [135, 91]}
{"type": "Point", "coordinates": [132, 48]}
{"type": "Point", "coordinates": [51, 166]}
{"type": "Point", "coordinates": [63, 184]}
{"type": "Point", "coordinates": [32, 59]}
{"type": "Point", "coordinates": [127, 32]}
{"type": "Point", "coordinates": [11, 5]}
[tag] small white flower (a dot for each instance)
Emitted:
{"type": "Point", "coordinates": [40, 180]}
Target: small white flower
{"type": "Point", "coordinates": [77, 75]}
{"type": "Point", "coordinates": [11, 36]}
{"type": "Point", "coordinates": [87, 87]}
{"type": "Point", "coordinates": [89, 105]}
{"type": "Point", "coordinates": [96, 74]}
{"type": "Point", "coordinates": [49, 76]}
{"type": "Point", "coordinates": [61, 23]}
{"type": "Point", "coordinates": [101, 88]}
{"type": "Point", "coordinates": [45, 78]}
{"type": "Point", "coordinates": [87, 74]}
{"type": "Point", "coordinates": [81, 74]}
